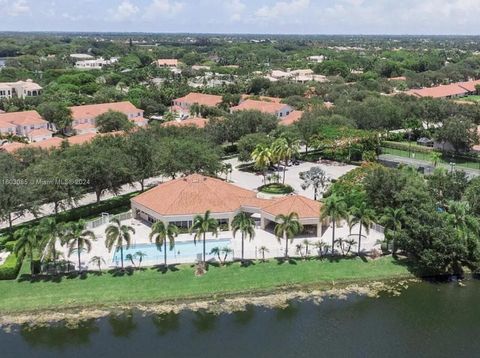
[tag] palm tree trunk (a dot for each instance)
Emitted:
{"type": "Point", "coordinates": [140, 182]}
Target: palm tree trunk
{"type": "Point", "coordinates": [32, 266]}
{"type": "Point", "coordinates": [333, 238]}
{"type": "Point", "coordinates": [284, 170]}
{"type": "Point", "coordinates": [165, 252]}
{"type": "Point", "coordinates": [78, 254]}
{"type": "Point", "coordinates": [243, 236]}
{"type": "Point", "coordinates": [393, 244]}
{"type": "Point", "coordinates": [315, 194]}
{"type": "Point", "coordinates": [360, 236]}
{"type": "Point", "coordinates": [204, 248]}
{"type": "Point", "coordinates": [121, 255]}
{"type": "Point", "coordinates": [286, 244]}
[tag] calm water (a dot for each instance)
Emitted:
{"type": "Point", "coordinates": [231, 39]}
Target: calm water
{"type": "Point", "coordinates": [185, 251]}
{"type": "Point", "coordinates": [427, 320]}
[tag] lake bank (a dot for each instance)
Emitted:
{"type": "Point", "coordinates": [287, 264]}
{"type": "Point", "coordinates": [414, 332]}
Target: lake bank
{"type": "Point", "coordinates": [152, 290]}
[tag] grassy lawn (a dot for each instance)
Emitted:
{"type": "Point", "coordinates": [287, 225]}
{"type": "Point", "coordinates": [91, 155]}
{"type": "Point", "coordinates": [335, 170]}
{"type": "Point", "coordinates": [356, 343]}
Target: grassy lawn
{"type": "Point", "coordinates": [472, 98]}
{"type": "Point", "coordinates": [150, 285]}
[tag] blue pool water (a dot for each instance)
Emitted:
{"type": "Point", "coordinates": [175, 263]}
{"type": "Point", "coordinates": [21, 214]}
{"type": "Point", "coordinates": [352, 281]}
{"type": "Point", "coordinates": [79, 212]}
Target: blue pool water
{"type": "Point", "coordinates": [185, 251]}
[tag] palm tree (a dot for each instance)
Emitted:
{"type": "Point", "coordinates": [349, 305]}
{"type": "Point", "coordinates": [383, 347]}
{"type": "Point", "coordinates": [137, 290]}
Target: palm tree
{"type": "Point", "coordinates": [284, 148]}
{"type": "Point", "coordinates": [461, 218]}
{"type": "Point", "coordinates": [334, 208]}
{"type": "Point", "coordinates": [140, 255]}
{"type": "Point", "coordinates": [363, 216]}
{"type": "Point", "coordinates": [27, 242]}
{"type": "Point", "coordinates": [392, 220]}
{"type": "Point", "coordinates": [78, 239]}
{"type": "Point", "coordinates": [51, 233]}
{"type": "Point", "coordinates": [263, 250]}
{"type": "Point", "coordinates": [288, 226]}
{"type": "Point", "coordinates": [97, 261]}
{"type": "Point", "coordinates": [246, 225]}
{"type": "Point", "coordinates": [262, 155]}
{"type": "Point", "coordinates": [160, 233]}
{"type": "Point", "coordinates": [203, 225]}
{"type": "Point", "coordinates": [116, 234]}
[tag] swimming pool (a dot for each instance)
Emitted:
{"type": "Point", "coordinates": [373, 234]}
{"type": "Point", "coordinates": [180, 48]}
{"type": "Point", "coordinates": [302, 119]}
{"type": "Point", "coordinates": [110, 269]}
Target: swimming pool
{"type": "Point", "coordinates": [183, 252]}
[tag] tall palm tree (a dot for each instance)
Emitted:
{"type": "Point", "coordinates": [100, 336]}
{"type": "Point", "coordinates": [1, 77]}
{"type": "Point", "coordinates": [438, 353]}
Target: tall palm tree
{"type": "Point", "coordinates": [246, 225]}
{"type": "Point", "coordinates": [335, 209]}
{"type": "Point", "coordinates": [161, 233]}
{"type": "Point", "coordinates": [51, 233]}
{"type": "Point", "coordinates": [203, 225]}
{"type": "Point", "coordinates": [116, 234]}
{"type": "Point", "coordinates": [363, 216]}
{"type": "Point", "coordinates": [27, 242]}
{"type": "Point", "coordinates": [78, 239]}
{"type": "Point", "coordinates": [288, 226]}
{"type": "Point", "coordinates": [285, 148]}
{"type": "Point", "coordinates": [392, 220]}
{"type": "Point", "coordinates": [262, 155]}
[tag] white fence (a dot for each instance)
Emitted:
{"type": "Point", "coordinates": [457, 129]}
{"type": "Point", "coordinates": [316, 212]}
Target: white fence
{"type": "Point", "coordinates": [106, 218]}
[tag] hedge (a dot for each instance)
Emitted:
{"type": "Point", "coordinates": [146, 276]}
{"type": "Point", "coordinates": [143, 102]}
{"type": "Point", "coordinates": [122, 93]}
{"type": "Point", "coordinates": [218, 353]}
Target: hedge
{"type": "Point", "coordinates": [9, 270]}
{"type": "Point", "coordinates": [407, 147]}
{"type": "Point", "coordinates": [276, 188]}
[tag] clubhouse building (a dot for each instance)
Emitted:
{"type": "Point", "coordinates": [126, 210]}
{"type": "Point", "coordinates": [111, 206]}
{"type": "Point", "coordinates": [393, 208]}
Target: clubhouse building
{"type": "Point", "coordinates": [180, 200]}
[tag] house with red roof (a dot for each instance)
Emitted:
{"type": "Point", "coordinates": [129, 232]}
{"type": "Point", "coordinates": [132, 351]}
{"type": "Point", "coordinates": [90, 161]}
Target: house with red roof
{"type": "Point", "coordinates": [280, 110]}
{"type": "Point", "coordinates": [292, 118]}
{"type": "Point", "coordinates": [182, 105]}
{"type": "Point", "coordinates": [453, 90]}
{"type": "Point", "coordinates": [27, 124]}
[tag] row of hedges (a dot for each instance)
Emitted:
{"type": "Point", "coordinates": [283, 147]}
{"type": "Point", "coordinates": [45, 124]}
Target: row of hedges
{"type": "Point", "coordinates": [9, 270]}
{"type": "Point", "coordinates": [115, 205]}
{"type": "Point", "coordinates": [407, 147]}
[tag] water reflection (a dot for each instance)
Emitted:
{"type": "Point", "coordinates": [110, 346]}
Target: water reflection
{"type": "Point", "coordinates": [288, 313]}
{"type": "Point", "coordinates": [122, 325]}
{"type": "Point", "coordinates": [244, 317]}
{"type": "Point", "coordinates": [204, 321]}
{"type": "Point", "coordinates": [167, 322]}
{"type": "Point", "coordinates": [59, 335]}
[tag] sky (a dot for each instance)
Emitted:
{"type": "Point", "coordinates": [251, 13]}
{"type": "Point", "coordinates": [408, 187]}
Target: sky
{"type": "Point", "coordinates": [430, 17]}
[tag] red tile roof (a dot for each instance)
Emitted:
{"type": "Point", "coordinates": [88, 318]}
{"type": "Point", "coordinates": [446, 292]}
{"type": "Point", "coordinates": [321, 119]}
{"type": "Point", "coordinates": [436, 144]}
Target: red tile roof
{"type": "Point", "coordinates": [304, 207]}
{"type": "Point", "coordinates": [261, 98]}
{"type": "Point", "coordinates": [22, 118]}
{"type": "Point", "coordinates": [208, 100]}
{"type": "Point", "coordinates": [443, 91]}
{"type": "Point", "coordinates": [94, 110]}
{"type": "Point", "coordinates": [262, 106]}
{"type": "Point", "coordinates": [197, 122]}
{"type": "Point", "coordinates": [292, 118]}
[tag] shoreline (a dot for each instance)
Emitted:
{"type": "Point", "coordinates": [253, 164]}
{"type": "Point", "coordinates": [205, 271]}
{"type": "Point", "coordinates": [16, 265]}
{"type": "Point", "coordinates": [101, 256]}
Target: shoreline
{"type": "Point", "coordinates": [218, 304]}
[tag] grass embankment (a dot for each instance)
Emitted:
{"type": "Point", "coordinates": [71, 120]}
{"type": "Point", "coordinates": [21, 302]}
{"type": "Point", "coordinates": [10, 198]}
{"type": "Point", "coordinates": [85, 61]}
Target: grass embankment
{"type": "Point", "coordinates": [152, 286]}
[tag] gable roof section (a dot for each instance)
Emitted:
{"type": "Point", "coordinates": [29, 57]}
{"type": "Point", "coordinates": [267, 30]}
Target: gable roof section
{"type": "Point", "coordinates": [291, 118]}
{"type": "Point", "coordinates": [208, 100]}
{"type": "Point", "coordinates": [262, 106]}
{"type": "Point", "coordinates": [304, 207]}
{"type": "Point", "coordinates": [94, 110]}
{"type": "Point", "coordinates": [22, 118]}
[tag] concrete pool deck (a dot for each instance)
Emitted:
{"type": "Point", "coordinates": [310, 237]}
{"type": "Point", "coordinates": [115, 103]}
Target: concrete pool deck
{"type": "Point", "coordinates": [262, 238]}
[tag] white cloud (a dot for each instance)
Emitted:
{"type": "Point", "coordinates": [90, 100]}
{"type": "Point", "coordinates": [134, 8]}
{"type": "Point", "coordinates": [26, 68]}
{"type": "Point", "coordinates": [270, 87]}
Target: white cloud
{"type": "Point", "coordinates": [17, 8]}
{"type": "Point", "coordinates": [282, 9]}
{"type": "Point", "coordinates": [163, 8]}
{"type": "Point", "coordinates": [236, 9]}
{"type": "Point", "coordinates": [125, 11]}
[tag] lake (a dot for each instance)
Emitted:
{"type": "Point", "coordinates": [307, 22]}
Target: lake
{"type": "Point", "coordinates": [426, 320]}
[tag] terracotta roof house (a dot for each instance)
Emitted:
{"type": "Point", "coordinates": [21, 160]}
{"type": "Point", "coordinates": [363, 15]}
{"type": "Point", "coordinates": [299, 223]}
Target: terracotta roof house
{"type": "Point", "coordinates": [180, 200]}
{"type": "Point", "coordinates": [208, 100]}
{"type": "Point", "coordinates": [279, 110]}
{"type": "Point", "coordinates": [196, 122]}
{"type": "Point", "coordinates": [20, 89]}
{"type": "Point", "coordinates": [453, 90]}
{"type": "Point", "coordinates": [24, 122]}
{"type": "Point", "coordinates": [166, 62]}
{"type": "Point", "coordinates": [292, 118]}
{"type": "Point", "coordinates": [38, 135]}
{"type": "Point", "coordinates": [84, 117]}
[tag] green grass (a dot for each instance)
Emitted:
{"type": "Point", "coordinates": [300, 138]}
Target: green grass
{"type": "Point", "coordinates": [151, 285]}
{"type": "Point", "coordinates": [472, 98]}
{"type": "Point", "coordinates": [276, 188]}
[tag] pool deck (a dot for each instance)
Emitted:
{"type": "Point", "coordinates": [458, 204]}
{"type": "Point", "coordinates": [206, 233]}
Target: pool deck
{"type": "Point", "coordinates": [262, 238]}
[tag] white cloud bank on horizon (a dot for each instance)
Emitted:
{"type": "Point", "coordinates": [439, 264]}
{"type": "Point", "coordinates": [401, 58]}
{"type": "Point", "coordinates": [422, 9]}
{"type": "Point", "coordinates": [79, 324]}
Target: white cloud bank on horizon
{"type": "Point", "coordinates": [244, 16]}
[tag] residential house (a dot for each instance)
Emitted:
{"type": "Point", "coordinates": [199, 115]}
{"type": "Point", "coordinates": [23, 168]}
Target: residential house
{"type": "Point", "coordinates": [280, 110]}
{"type": "Point", "coordinates": [97, 64]}
{"type": "Point", "coordinates": [453, 90]}
{"type": "Point", "coordinates": [84, 117]}
{"type": "Point", "coordinates": [316, 59]}
{"type": "Point", "coordinates": [166, 63]}
{"type": "Point", "coordinates": [195, 122]}
{"type": "Point", "coordinates": [19, 89]}
{"type": "Point", "coordinates": [27, 124]}
{"type": "Point", "coordinates": [292, 118]}
{"type": "Point", "coordinates": [182, 105]}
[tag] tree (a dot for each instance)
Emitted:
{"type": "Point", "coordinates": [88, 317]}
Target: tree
{"type": "Point", "coordinates": [26, 245]}
{"type": "Point", "coordinates": [97, 261]}
{"type": "Point", "coordinates": [335, 209]}
{"type": "Point", "coordinates": [51, 233]}
{"type": "Point", "coordinates": [116, 235]}
{"type": "Point", "coordinates": [288, 226]}
{"type": "Point", "coordinates": [246, 145]}
{"type": "Point", "coordinates": [263, 250]}
{"type": "Point", "coordinates": [113, 121]}
{"type": "Point", "coordinates": [392, 220]}
{"type": "Point", "coordinates": [472, 195]}
{"type": "Point", "coordinates": [246, 225]}
{"type": "Point", "coordinates": [316, 178]}
{"type": "Point", "coordinates": [459, 132]}
{"type": "Point", "coordinates": [160, 234]}
{"type": "Point", "coordinates": [285, 148]}
{"type": "Point", "coordinates": [219, 251]}
{"type": "Point", "coordinates": [363, 216]}
{"type": "Point", "coordinates": [78, 239]}
{"type": "Point", "coordinates": [57, 113]}
{"type": "Point", "coordinates": [201, 226]}
{"type": "Point", "coordinates": [262, 156]}
{"type": "Point", "coordinates": [435, 157]}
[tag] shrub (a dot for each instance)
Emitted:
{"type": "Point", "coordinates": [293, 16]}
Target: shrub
{"type": "Point", "coordinates": [9, 270]}
{"type": "Point", "coordinates": [276, 188]}
{"type": "Point", "coordinates": [407, 147]}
